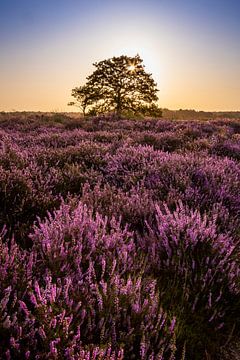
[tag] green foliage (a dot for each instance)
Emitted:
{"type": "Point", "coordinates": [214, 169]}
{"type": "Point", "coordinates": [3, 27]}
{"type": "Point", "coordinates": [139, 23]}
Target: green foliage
{"type": "Point", "coordinates": [118, 85]}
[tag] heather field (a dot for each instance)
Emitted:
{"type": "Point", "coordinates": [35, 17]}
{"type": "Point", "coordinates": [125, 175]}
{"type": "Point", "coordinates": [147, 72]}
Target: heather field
{"type": "Point", "coordinates": [119, 239]}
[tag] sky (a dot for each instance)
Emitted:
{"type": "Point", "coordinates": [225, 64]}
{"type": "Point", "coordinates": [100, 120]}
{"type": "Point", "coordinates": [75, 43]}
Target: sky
{"type": "Point", "coordinates": [191, 47]}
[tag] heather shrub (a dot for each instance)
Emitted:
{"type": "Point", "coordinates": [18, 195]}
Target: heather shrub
{"type": "Point", "coordinates": [134, 207]}
{"type": "Point", "coordinates": [15, 196]}
{"type": "Point", "coordinates": [43, 326]}
{"type": "Point", "coordinates": [104, 304]}
{"type": "Point", "coordinates": [11, 156]}
{"type": "Point", "coordinates": [59, 139]}
{"type": "Point", "coordinates": [190, 133]}
{"type": "Point", "coordinates": [72, 124]}
{"type": "Point", "coordinates": [235, 125]}
{"type": "Point", "coordinates": [71, 239]}
{"type": "Point", "coordinates": [24, 193]}
{"type": "Point", "coordinates": [88, 154]}
{"type": "Point", "coordinates": [215, 181]}
{"type": "Point", "coordinates": [170, 141]}
{"type": "Point", "coordinates": [201, 183]}
{"type": "Point", "coordinates": [99, 257]}
{"type": "Point", "coordinates": [166, 141]}
{"type": "Point", "coordinates": [16, 272]}
{"type": "Point", "coordinates": [13, 262]}
{"type": "Point", "coordinates": [149, 333]}
{"type": "Point", "coordinates": [52, 321]}
{"type": "Point", "coordinates": [227, 149]}
{"type": "Point", "coordinates": [198, 276]}
{"type": "Point", "coordinates": [163, 125]}
{"type": "Point", "coordinates": [129, 165]}
{"type": "Point", "coordinates": [72, 177]}
{"type": "Point", "coordinates": [202, 145]}
{"type": "Point", "coordinates": [106, 137]}
{"type": "Point", "coordinates": [147, 138]}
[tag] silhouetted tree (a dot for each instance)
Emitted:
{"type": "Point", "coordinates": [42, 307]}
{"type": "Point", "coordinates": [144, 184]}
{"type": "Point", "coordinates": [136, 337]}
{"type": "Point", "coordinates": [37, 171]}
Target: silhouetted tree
{"type": "Point", "coordinates": [85, 97]}
{"type": "Point", "coordinates": [118, 85]}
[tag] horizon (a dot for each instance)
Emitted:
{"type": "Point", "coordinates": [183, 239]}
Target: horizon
{"type": "Point", "coordinates": [191, 49]}
{"type": "Point", "coordinates": [77, 111]}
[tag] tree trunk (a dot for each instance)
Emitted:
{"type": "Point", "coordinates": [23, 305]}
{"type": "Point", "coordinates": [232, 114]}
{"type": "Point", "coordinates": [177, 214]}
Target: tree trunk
{"type": "Point", "coordinates": [119, 105]}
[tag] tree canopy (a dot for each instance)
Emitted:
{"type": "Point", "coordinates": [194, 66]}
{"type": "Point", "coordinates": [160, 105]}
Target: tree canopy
{"type": "Point", "coordinates": [118, 85]}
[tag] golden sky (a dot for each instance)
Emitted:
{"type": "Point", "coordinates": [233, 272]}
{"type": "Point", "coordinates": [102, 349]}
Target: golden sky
{"type": "Point", "coordinates": [192, 51]}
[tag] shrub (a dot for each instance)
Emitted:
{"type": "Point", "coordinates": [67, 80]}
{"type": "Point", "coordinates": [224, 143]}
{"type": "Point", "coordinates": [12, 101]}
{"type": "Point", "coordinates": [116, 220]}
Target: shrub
{"type": "Point", "coordinates": [197, 271]}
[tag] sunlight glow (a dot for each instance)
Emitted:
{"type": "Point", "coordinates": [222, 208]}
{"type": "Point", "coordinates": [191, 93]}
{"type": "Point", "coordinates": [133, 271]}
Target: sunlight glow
{"type": "Point", "coordinates": [131, 67]}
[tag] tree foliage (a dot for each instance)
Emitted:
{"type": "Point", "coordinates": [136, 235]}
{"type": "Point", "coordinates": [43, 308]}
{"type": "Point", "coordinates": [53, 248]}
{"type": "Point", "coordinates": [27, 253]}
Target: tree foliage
{"type": "Point", "coordinates": [118, 85]}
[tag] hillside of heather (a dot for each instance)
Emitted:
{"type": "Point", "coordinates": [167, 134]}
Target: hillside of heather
{"type": "Point", "coordinates": [119, 239]}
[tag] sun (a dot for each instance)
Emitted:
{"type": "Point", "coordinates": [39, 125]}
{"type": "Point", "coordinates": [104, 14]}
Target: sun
{"type": "Point", "coordinates": [131, 67]}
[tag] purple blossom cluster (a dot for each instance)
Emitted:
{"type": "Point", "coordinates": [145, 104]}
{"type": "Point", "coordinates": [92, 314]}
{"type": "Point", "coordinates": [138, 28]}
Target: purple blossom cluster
{"type": "Point", "coordinates": [118, 240]}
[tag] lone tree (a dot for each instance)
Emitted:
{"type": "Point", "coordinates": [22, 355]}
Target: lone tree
{"type": "Point", "coordinates": [119, 85]}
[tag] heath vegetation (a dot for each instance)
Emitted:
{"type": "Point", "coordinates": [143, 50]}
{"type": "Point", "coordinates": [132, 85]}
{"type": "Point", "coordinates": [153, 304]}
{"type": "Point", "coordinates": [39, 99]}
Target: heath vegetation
{"type": "Point", "coordinates": [119, 239]}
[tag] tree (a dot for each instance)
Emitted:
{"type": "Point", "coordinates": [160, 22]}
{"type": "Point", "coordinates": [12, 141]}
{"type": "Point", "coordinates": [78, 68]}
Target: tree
{"type": "Point", "coordinates": [118, 85]}
{"type": "Point", "coordinates": [84, 96]}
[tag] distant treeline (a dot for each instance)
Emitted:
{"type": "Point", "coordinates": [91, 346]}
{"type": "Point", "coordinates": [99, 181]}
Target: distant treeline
{"type": "Point", "coordinates": [181, 114]}
{"type": "Point", "coordinates": [201, 115]}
